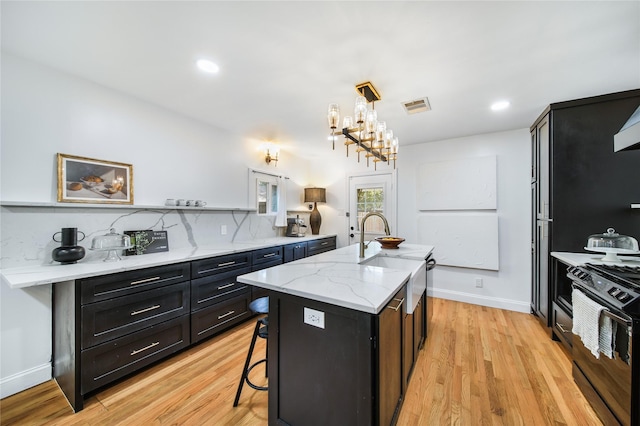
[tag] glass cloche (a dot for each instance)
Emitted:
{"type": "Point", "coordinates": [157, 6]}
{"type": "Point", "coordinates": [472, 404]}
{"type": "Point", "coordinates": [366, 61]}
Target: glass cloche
{"type": "Point", "coordinates": [112, 243]}
{"type": "Point", "coordinates": [612, 244]}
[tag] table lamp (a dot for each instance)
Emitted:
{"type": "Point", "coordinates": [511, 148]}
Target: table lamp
{"type": "Point", "coordinates": [315, 195]}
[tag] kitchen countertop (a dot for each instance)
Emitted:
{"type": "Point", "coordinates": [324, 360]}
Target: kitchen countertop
{"type": "Point", "coordinates": [577, 259]}
{"type": "Point", "coordinates": [28, 276]}
{"type": "Point", "coordinates": [336, 277]}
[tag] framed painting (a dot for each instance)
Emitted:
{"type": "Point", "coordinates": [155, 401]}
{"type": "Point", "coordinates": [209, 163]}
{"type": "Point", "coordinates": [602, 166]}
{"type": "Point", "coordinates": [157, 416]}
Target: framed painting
{"type": "Point", "coordinates": [87, 180]}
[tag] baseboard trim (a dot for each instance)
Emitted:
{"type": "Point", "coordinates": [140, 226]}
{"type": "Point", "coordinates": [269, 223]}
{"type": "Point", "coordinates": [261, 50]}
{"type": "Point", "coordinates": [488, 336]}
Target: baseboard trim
{"type": "Point", "coordinates": [491, 302]}
{"type": "Point", "coordinates": [24, 380]}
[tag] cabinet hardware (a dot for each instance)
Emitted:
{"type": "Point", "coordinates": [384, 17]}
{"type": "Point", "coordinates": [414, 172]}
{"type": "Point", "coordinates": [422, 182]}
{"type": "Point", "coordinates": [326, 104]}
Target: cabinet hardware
{"type": "Point", "coordinates": [137, 351]}
{"type": "Point", "coordinates": [324, 243]}
{"type": "Point", "coordinates": [269, 255]}
{"type": "Point", "coordinates": [226, 264]}
{"type": "Point", "coordinates": [150, 308]}
{"type": "Point", "coordinates": [226, 315]}
{"type": "Point", "coordinates": [226, 286]}
{"type": "Point", "coordinates": [561, 328]}
{"type": "Point", "coordinates": [146, 280]}
{"type": "Point", "coordinates": [400, 302]}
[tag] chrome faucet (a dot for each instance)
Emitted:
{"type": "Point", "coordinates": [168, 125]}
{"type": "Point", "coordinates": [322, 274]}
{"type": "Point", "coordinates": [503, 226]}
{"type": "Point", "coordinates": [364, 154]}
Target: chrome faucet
{"type": "Point", "coordinates": [363, 246]}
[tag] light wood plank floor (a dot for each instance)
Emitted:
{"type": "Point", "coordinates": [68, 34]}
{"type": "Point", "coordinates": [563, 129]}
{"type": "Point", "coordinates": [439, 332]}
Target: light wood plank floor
{"type": "Point", "coordinates": [479, 366]}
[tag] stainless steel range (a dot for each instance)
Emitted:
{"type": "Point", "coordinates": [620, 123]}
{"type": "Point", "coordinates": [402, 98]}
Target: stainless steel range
{"type": "Point", "coordinates": [612, 385]}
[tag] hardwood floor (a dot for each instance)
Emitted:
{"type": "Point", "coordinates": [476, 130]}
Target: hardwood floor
{"type": "Point", "coordinates": [479, 366]}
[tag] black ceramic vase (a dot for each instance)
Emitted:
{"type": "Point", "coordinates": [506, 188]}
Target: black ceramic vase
{"type": "Point", "coordinates": [69, 251]}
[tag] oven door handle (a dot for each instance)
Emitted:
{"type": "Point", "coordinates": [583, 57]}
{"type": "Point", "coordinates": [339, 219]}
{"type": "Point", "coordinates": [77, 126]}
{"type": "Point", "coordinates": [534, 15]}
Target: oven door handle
{"type": "Point", "coordinates": [617, 318]}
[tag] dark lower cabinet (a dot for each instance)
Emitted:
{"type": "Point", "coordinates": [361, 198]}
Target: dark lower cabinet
{"type": "Point", "coordinates": [112, 360]}
{"type": "Point", "coordinates": [263, 259]}
{"type": "Point", "coordinates": [211, 320]}
{"type": "Point", "coordinates": [321, 245]}
{"type": "Point", "coordinates": [218, 301]}
{"type": "Point", "coordinates": [295, 251]}
{"type": "Point", "coordinates": [346, 372]}
{"type": "Point", "coordinates": [109, 326]}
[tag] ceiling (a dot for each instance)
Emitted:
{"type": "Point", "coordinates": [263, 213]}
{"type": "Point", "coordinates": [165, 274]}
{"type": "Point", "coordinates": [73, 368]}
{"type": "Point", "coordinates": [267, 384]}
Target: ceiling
{"type": "Point", "coordinates": [282, 63]}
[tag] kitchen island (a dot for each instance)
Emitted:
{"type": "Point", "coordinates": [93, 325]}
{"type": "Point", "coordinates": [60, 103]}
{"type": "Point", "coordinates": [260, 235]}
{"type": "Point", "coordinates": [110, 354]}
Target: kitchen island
{"type": "Point", "coordinates": [337, 337]}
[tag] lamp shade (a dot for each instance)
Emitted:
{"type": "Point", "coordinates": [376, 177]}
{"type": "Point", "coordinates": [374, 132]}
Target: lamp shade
{"type": "Point", "coordinates": [312, 195]}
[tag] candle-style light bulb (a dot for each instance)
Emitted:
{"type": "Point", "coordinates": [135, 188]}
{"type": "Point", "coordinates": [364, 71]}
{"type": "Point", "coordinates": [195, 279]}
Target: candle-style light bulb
{"type": "Point", "coordinates": [333, 115]}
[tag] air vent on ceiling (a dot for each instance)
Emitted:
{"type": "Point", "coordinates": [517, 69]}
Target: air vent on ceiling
{"type": "Point", "coordinates": [417, 105]}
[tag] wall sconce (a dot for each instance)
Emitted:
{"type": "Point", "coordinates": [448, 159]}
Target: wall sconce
{"type": "Point", "coordinates": [315, 195]}
{"type": "Point", "coordinates": [271, 152]}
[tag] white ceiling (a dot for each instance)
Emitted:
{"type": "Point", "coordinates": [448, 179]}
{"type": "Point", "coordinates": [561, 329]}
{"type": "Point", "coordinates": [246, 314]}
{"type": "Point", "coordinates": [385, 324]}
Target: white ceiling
{"type": "Point", "coordinates": [282, 63]}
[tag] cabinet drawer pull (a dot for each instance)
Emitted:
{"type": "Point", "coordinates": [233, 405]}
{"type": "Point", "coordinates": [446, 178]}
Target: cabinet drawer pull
{"type": "Point", "coordinates": [400, 302]}
{"type": "Point", "coordinates": [226, 315]}
{"type": "Point", "coordinates": [226, 286]}
{"type": "Point", "coordinates": [561, 328]}
{"type": "Point", "coordinates": [220, 265]}
{"type": "Point", "coordinates": [269, 255]}
{"type": "Point", "coordinates": [137, 351]}
{"type": "Point", "coordinates": [324, 244]}
{"type": "Point", "coordinates": [150, 308]}
{"type": "Point", "coordinates": [146, 280]}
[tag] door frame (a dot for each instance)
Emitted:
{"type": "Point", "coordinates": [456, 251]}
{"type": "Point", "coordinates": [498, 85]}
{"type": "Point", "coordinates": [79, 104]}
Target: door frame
{"type": "Point", "coordinates": [393, 201]}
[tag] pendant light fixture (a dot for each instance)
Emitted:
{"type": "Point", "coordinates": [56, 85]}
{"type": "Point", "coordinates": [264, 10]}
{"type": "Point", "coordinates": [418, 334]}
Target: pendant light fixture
{"type": "Point", "coordinates": [363, 128]}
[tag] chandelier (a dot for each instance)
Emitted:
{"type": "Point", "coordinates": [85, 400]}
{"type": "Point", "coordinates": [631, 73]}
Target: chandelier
{"type": "Point", "coordinates": [364, 130]}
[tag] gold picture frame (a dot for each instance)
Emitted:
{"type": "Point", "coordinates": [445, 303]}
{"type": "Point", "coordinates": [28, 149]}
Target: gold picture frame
{"type": "Point", "coordinates": [88, 180]}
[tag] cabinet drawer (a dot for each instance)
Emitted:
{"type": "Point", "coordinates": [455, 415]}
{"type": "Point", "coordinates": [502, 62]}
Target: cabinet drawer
{"type": "Point", "coordinates": [267, 255]}
{"type": "Point", "coordinates": [103, 321]}
{"type": "Point", "coordinates": [210, 290]}
{"type": "Point", "coordinates": [321, 245]}
{"type": "Point", "coordinates": [266, 265]}
{"type": "Point", "coordinates": [562, 326]}
{"type": "Point", "coordinates": [220, 264]}
{"type": "Point", "coordinates": [124, 283]}
{"type": "Point", "coordinates": [109, 361]}
{"type": "Point", "coordinates": [213, 319]}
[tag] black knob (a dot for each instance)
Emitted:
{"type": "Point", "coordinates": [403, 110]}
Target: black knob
{"type": "Point", "coordinates": [352, 229]}
{"type": "Point", "coordinates": [351, 235]}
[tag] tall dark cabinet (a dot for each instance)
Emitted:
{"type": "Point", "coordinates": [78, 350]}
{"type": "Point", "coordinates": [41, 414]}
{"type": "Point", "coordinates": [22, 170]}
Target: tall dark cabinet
{"type": "Point", "coordinates": [579, 187]}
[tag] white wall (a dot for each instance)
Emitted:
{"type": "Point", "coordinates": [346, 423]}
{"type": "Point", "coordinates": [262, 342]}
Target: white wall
{"type": "Point", "coordinates": [45, 112]}
{"type": "Point", "coordinates": [510, 286]}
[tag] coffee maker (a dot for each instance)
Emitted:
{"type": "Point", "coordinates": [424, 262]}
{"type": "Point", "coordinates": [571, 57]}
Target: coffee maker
{"type": "Point", "coordinates": [296, 227]}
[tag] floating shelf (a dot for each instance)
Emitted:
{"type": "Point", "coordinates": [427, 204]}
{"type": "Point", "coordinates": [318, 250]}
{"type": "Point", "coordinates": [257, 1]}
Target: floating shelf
{"type": "Point", "coordinates": [119, 206]}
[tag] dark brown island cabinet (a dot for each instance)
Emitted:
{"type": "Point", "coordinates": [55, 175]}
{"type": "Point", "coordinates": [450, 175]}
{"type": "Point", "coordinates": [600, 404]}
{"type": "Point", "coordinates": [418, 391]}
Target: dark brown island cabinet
{"type": "Point", "coordinates": [350, 371]}
{"type": "Point", "coordinates": [110, 326]}
{"type": "Point", "coordinates": [579, 186]}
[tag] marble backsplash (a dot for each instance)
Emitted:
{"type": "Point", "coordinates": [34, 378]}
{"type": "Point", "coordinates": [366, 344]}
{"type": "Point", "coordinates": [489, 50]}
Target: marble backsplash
{"type": "Point", "coordinates": [26, 232]}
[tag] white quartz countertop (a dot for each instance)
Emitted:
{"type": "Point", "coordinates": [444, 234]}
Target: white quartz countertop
{"type": "Point", "coordinates": [54, 272]}
{"type": "Point", "coordinates": [577, 259]}
{"type": "Point", "coordinates": [336, 277]}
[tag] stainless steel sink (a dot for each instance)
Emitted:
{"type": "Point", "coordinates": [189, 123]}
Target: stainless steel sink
{"type": "Point", "coordinates": [417, 282]}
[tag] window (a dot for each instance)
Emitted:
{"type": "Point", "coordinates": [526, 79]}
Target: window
{"type": "Point", "coordinates": [267, 196]}
{"type": "Point", "coordinates": [370, 200]}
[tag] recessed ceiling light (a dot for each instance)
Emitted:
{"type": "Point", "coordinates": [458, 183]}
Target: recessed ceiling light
{"type": "Point", "coordinates": [207, 66]}
{"type": "Point", "coordinates": [500, 105]}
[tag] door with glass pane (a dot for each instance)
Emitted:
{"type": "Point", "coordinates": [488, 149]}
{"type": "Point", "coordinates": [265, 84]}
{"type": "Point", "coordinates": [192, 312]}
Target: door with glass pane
{"type": "Point", "coordinates": [371, 193]}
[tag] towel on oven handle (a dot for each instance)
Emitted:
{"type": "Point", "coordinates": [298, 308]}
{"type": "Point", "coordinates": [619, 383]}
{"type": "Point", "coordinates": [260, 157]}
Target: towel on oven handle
{"type": "Point", "coordinates": [596, 331]}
